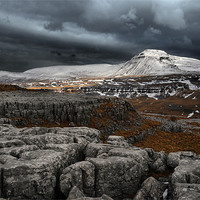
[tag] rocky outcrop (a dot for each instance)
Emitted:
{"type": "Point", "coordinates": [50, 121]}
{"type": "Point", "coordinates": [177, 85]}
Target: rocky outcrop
{"type": "Point", "coordinates": [46, 163]}
{"type": "Point", "coordinates": [61, 163]}
{"type": "Point", "coordinates": [118, 171]}
{"type": "Point", "coordinates": [36, 108]}
{"type": "Point", "coordinates": [32, 159]}
{"type": "Point", "coordinates": [34, 174]}
{"type": "Point", "coordinates": [130, 89]}
{"type": "Point", "coordinates": [158, 87]}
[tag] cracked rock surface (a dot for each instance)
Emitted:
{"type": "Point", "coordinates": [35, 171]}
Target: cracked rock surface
{"type": "Point", "coordinates": [46, 163]}
{"type": "Point", "coordinates": [61, 163]}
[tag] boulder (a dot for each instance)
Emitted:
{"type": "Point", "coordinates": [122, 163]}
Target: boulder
{"type": "Point", "coordinates": [116, 177]}
{"type": "Point", "coordinates": [158, 160]}
{"type": "Point", "coordinates": [173, 127]}
{"type": "Point", "coordinates": [174, 158]}
{"type": "Point", "coordinates": [137, 154]}
{"type": "Point", "coordinates": [28, 179]}
{"type": "Point", "coordinates": [151, 189]}
{"type": "Point", "coordinates": [118, 141]}
{"type": "Point", "coordinates": [186, 180]}
{"type": "Point", "coordinates": [81, 175]}
{"type": "Point", "coordinates": [188, 171]}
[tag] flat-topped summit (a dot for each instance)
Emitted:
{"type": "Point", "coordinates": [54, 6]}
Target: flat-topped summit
{"type": "Point", "coordinates": [158, 62]}
{"type": "Point", "coordinates": [153, 52]}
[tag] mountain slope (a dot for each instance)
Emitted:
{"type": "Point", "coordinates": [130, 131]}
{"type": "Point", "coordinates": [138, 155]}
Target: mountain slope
{"type": "Point", "coordinates": [60, 72]}
{"type": "Point", "coordinates": [80, 71]}
{"type": "Point", "coordinates": [157, 62]}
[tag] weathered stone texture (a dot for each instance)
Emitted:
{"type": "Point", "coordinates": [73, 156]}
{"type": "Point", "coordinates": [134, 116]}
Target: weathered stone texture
{"type": "Point", "coordinates": [116, 176]}
{"type": "Point", "coordinates": [23, 108]}
{"type": "Point", "coordinates": [186, 180]}
{"type": "Point", "coordinates": [151, 189]}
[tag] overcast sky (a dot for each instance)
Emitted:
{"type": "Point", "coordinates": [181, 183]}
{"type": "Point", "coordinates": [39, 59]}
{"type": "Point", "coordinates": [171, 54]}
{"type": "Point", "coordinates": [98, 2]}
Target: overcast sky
{"type": "Point", "coordinates": [36, 33]}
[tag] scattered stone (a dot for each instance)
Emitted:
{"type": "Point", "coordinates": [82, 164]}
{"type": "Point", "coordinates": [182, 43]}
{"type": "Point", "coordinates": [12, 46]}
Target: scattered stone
{"type": "Point", "coordinates": [71, 124]}
{"type": "Point", "coordinates": [170, 126]}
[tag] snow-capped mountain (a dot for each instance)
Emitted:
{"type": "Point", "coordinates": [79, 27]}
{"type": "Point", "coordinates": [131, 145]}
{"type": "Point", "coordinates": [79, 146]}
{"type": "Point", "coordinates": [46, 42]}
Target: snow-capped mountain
{"type": "Point", "coordinates": [148, 62]}
{"type": "Point", "coordinates": [157, 62]}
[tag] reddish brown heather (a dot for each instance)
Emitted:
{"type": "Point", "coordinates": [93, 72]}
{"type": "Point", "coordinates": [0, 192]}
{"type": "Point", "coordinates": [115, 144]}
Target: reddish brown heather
{"type": "Point", "coordinates": [171, 142]}
{"type": "Point", "coordinates": [7, 87]}
{"type": "Point", "coordinates": [175, 105]}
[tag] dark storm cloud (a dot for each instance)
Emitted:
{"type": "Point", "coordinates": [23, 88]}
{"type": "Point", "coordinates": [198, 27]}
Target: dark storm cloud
{"type": "Point", "coordinates": [85, 31]}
